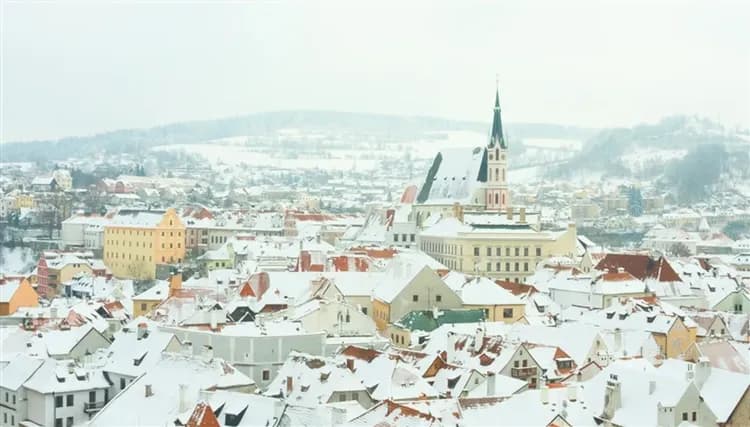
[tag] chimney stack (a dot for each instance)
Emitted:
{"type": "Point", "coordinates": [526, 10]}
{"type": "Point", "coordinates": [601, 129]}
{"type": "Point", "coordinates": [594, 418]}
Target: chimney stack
{"type": "Point", "coordinates": [175, 282]}
{"type": "Point", "coordinates": [458, 211]}
{"type": "Point", "coordinates": [207, 353]}
{"type": "Point", "coordinates": [544, 395]}
{"type": "Point", "coordinates": [149, 390]}
{"type": "Point", "coordinates": [612, 397]}
{"type": "Point", "coordinates": [491, 381]}
{"type": "Point", "coordinates": [186, 348]}
{"type": "Point", "coordinates": [350, 364]}
{"type": "Point", "coordinates": [509, 213]}
{"type": "Point", "coordinates": [702, 371]}
{"type": "Point", "coordinates": [142, 330]}
{"type": "Point", "coordinates": [522, 214]}
{"type": "Point", "coordinates": [573, 392]}
{"type": "Point", "coordinates": [184, 406]}
{"type": "Point", "coordinates": [289, 385]}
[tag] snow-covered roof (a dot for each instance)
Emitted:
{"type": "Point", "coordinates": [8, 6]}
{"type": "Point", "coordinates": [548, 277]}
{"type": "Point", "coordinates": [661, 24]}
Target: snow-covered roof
{"type": "Point", "coordinates": [20, 369]}
{"type": "Point", "coordinates": [64, 376]}
{"type": "Point", "coordinates": [8, 289]}
{"type": "Point", "coordinates": [456, 178]}
{"type": "Point", "coordinates": [479, 290]}
{"type": "Point", "coordinates": [168, 376]}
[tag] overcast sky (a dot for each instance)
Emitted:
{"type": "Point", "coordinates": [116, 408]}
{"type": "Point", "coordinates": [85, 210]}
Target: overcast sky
{"type": "Point", "coordinates": [76, 68]}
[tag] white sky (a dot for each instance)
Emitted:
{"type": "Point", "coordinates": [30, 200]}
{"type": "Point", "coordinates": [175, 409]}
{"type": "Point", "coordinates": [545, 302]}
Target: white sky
{"type": "Point", "coordinates": [74, 68]}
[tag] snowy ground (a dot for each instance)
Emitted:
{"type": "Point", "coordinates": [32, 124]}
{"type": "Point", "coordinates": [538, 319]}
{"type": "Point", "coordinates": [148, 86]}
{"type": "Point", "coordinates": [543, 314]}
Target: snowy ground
{"type": "Point", "coordinates": [16, 260]}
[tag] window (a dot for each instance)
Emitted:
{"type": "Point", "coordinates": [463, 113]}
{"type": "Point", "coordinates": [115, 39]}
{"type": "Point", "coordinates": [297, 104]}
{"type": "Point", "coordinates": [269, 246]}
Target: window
{"type": "Point", "coordinates": [395, 237]}
{"type": "Point", "coordinates": [69, 399]}
{"type": "Point", "coordinates": [92, 396]}
{"type": "Point", "coordinates": [518, 251]}
{"type": "Point", "coordinates": [525, 251]}
{"type": "Point", "coordinates": [355, 395]}
{"type": "Point", "coordinates": [411, 237]}
{"type": "Point", "coordinates": [695, 416]}
{"type": "Point", "coordinates": [69, 422]}
{"type": "Point", "coordinates": [507, 251]}
{"type": "Point", "coordinates": [438, 298]}
{"type": "Point", "coordinates": [507, 313]}
{"type": "Point", "coordinates": [403, 237]}
{"type": "Point", "coordinates": [58, 422]}
{"type": "Point", "coordinates": [143, 306]}
{"type": "Point", "coordinates": [266, 374]}
{"type": "Point", "coordinates": [515, 363]}
{"type": "Point", "coordinates": [415, 298]}
{"type": "Point", "coordinates": [538, 251]}
{"type": "Point", "coordinates": [7, 397]}
{"type": "Point", "coordinates": [489, 251]}
{"type": "Point", "coordinates": [14, 399]}
{"type": "Point", "coordinates": [507, 268]}
{"type": "Point", "coordinates": [364, 310]}
{"type": "Point", "coordinates": [497, 266]}
{"type": "Point", "coordinates": [684, 416]}
{"type": "Point", "coordinates": [342, 397]}
{"type": "Point", "coordinates": [526, 266]}
{"type": "Point", "coordinates": [5, 418]}
{"type": "Point", "coordinates": [516, 266]}
{"type": "Point", "coordinates": [476, 251]}
{"type": "Point", "coordinates": [58, 402]}
{"type": "Point", "coordinates": [524, 363]}
{"type": "Point", "coordinates": [489, 266]}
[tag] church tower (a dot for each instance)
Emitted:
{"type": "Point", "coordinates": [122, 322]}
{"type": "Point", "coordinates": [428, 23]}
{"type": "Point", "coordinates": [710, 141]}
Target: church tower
{"type": "Point", "coordinates": [497, 195]}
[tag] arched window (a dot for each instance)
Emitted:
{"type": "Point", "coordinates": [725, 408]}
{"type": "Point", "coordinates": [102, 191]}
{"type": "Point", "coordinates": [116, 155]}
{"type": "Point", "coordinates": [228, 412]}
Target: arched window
{"type": "Point", "coordinates": [503, 175]}
{"type": "Point", "coordinates": [503, 198]}
{"type": "Point", "coordinates": [497, 153]}
{"type": "Point", "coordinates": [496, 198]}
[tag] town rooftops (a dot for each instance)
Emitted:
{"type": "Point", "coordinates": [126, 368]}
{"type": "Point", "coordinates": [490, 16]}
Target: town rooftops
{"type": "Point", "coordinates": [640, 265]}
{"type": "Point", "coordinates": [138, 218]}
{"type": "Point", "coordinates": [455, 176]}
{"type": "Point", "coordinates": [20, 369]}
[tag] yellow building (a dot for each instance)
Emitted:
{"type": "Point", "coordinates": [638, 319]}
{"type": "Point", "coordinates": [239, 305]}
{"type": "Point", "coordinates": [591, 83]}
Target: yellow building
{"type": "Point", "coordinates": [506, 247]}
{"type": "Point", "coordinates": [136, 241]}
{"type": "Point", "coordinates": [23, 201]}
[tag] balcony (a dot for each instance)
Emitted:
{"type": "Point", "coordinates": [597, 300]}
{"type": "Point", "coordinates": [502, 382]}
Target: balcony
{"type": "Point", "coordinates": [523, 373]}
{"type": "Point", "coordinates": [91, 407]}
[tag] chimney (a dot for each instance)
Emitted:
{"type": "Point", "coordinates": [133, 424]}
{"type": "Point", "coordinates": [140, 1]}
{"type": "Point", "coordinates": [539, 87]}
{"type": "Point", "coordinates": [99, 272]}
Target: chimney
{"type": "Point", "coordinates": [479, 338]}
{"type": "Point", "coordinates": [618, 339]}
{"type": "Point", "coordinates": [207, 353]}
{"type": "Point", "coordinates": [509, 213]}
{"type": "Point", "coordinates": [458, 212]}
{"type": "Point", "coordinates": [612, 397]}
{"type": "Point", "coordinates": [450, 352]}
{"type": "Point", "coordinates": [184, 406]}
{"type": "Point", "coordinates": [289, 385]}
{"type": "Point", "coordinates": [186, 348]}
{"type": "Point", "coordinates": [53, 313]}
{"type": "Point", "coordinates": [573, 392]}
{"type": "Point", "coordinates": [213, 317]}
{"type": "Point", "coordinates": [175, 282]}
{"type": "Point", "coordinates": [149, 390]}
{"type": "Point", "coordinates": [522, 214]}
{"type": "Point", "coordinates": [142, 330]}
{"type": "Point", "coordinates": [702, 371]}
{"type": "Point", "coordinates": [690, 373]}
{"type": "Point", "coordinates": [350, 364]}
{"type": "Point", "coordinates": [491, 381]}
{"type": "Point", "coordinates": [544, 395]}
{"type": "Point", "coordinates": [651, 386]}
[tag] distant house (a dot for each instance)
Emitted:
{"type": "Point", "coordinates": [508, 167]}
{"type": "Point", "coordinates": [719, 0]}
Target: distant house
{"type": "Point", "coordinates": [407, 286]}
{"type": "Point", "coordinates": [44, 184]}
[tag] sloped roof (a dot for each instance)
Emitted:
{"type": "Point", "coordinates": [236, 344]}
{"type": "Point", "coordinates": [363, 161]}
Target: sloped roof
{"type": "Point", "coordinates": [641, 266]}
{"type": "Point", "coordinates": [426, 320]}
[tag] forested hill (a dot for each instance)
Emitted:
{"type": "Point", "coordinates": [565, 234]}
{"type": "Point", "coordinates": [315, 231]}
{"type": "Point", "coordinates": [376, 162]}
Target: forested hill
{"type": "Point", "coordinates": [133, 140]}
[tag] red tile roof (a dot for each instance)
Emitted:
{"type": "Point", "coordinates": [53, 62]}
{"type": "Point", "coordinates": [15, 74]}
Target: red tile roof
{"type": "Point", "coordinates": [640, 266]}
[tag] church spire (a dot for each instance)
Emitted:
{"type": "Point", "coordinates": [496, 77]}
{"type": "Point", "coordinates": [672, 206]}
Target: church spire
{"type": "Point", "coordinates": [496, 136]}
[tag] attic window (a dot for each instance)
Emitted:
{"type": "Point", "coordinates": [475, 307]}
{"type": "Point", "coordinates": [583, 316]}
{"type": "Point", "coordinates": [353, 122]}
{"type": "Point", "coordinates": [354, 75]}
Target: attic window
{"type": "Point", "coordinates": [650, 319]}
{"type": "Point", "coordinates": [323, 376]}
{"type": "Point", "coordinates": [622, 316]}
{"type": "Point", "coordinates": [304, 388]}
{"type": "Point", "coordinates": [610, 315]}
{"type": "Point", "coordinates": [60, 379]}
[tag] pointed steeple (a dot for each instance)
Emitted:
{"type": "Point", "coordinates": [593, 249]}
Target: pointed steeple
{"type": "Point", "coordinates": [496, 136]}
